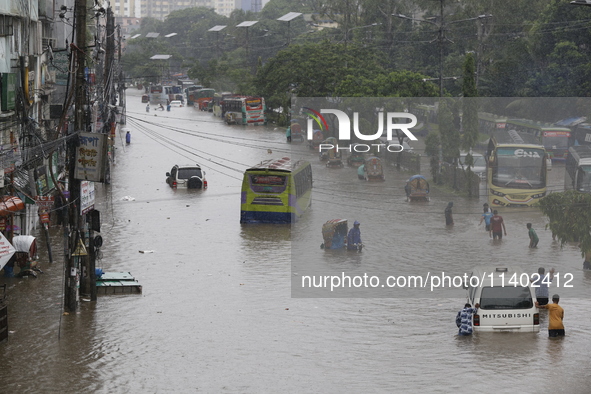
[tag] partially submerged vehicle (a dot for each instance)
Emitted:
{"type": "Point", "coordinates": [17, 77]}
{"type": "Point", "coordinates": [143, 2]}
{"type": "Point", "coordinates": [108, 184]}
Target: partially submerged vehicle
{"type": "Point", "coordinates": [332, 156]}
{"type": "Point", "coordinates": [334, 233]}
{"type": "Point", "coordinates": [297, 134]}
{"type": "Point", "coordinates": [417, 189]}
{"type": "Point", "coordinates": [373, 169]}
{"type": "Point", "coordinates": [186, 177]}
{"type": "Point", "coordinates": [355, 159]}
{"type": "Point", "coordinates": [507, 304]}
{"type": "Point", "coordinates": [317, 138]}
{"type": "Point", "coordinates": [26, 255]}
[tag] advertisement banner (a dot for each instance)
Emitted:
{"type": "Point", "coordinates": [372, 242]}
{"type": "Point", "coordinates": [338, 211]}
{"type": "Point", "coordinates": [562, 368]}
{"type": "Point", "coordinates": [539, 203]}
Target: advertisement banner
{"type": "Point", "coordinates": [6, 250]}
{"type": "Point", "coordinates": [86, 197]}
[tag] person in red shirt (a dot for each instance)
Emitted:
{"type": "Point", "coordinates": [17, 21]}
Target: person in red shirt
{"type": "Point", "coordinates": [497, 226]}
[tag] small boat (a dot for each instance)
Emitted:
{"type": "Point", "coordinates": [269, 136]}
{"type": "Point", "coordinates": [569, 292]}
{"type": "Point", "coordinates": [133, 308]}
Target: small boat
{"type": "Point", "coordinates": [417, 189]}
{"type": "Point", "coordinates": [373, 170]}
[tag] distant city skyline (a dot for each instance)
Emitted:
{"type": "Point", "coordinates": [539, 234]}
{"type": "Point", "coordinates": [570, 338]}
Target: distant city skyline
{"type": "Point", "coordinates": [159, 9]}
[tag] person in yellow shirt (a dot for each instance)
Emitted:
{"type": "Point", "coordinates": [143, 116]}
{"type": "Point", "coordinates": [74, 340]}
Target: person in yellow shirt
{"type": "Point", "coordinates": [556, 313]}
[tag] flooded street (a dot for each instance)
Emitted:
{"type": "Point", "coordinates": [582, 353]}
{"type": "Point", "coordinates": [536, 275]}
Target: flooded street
{"type": "Point", "coordinates": [222, 309]}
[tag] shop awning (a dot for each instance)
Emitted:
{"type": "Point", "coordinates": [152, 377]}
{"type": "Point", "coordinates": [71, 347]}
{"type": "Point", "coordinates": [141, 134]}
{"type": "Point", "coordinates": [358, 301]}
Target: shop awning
{"type": "Point", "coordinates": [10, 204]}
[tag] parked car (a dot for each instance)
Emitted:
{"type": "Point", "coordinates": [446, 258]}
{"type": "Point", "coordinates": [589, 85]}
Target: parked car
{"type": "Point", "coordinates": [479, 166]}
{"type": "Point", "coordinates": [186, 177]}
{"type": "Point", "coordinates": [176, 103]}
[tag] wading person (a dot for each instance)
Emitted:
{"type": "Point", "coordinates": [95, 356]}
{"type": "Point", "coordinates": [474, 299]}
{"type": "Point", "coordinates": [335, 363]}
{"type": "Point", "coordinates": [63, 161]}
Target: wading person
{"type": "Point", "coordinates": [449, 220]}
{"type": "Point", "coordinates": [486, 216]}
{"type": "Point", "coordinates": [497, 226]}
{"type": "Point", "coordinates": [533, 237]}
{"type": "Point", "coordinates": [540, 282]}
{"type": "Point", "coordinates": [354, 236]}
{"type": "Point", "coordinates": [556, 313]}
{"type": "Point", "coordinates": [464, 319]}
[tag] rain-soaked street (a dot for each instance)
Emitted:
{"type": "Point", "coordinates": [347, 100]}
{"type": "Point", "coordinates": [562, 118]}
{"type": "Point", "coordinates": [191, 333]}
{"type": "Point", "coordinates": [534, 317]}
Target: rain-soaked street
{"type": "Point", "coordinates": [221, 310]}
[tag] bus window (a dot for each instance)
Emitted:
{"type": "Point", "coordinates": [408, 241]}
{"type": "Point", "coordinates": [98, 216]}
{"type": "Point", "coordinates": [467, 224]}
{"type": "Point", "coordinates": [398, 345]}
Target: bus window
{"type": "Point", "coordinates": [584, 179]}
{"type": "Point", "coordinates": [267, 183]}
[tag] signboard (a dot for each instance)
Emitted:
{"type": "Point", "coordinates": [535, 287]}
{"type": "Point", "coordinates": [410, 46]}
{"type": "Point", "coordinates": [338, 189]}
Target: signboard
{"type": "Point", "coordinates": [44, 204]}
{"type": "Point", "coordinates": [60, 65]}
{"type": "Point", "coordinates": [8, 91]}
{"type": "Point", "coordinates": [556, 133]}
{"type": "Point", "coordinates": [86, 197]}
{"type": "Point", "coordinates": [6, 250]}
{"type": "Point", "coordinates": [91, 157]}
{"type": "Point", "coordinates": [42, 180]}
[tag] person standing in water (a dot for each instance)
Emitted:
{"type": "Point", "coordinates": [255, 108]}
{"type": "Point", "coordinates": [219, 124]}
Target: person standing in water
{"type": "Point", "coordinates": [449, 220]}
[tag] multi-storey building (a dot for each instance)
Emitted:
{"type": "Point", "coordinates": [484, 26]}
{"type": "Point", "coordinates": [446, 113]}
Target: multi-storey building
{"type": "Point", "coordinates": [126, 8]}
{"type": "Point", "coordinates": [159, 9]}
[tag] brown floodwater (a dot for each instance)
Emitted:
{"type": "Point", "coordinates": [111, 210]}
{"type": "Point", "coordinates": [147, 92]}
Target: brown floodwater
{"type": "Point", "coordinates": [222, 309]}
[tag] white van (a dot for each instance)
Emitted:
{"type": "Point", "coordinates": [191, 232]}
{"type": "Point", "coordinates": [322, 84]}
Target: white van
{"type": "Point", "coordinates": [479, 167]}
{"type": "Point", "coordinates": [506, 298]}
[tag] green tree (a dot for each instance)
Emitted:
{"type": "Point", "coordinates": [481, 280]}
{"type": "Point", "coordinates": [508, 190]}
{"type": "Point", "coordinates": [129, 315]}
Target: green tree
{"type": "Point", "coordinates": [569, 215]}
{"type": "Point", "coordinates": [433, 150]}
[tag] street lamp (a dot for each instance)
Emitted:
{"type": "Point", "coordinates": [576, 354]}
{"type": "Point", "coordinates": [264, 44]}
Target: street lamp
{"type": "Point", "coordinates": [357, 27]}
{"type": "Point", "coordinates": [441, 29]}
{"type": "Point", "coordinates": [288, 18]}
{"type": "Point", "coordinates": [247, 24]}
{"type": "Point", "coordinates": [217, 30]}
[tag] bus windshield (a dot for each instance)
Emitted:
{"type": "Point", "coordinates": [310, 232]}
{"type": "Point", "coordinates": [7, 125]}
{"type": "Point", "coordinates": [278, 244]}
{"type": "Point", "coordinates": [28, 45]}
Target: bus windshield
{"type": "Point", "coordinates": [556, 142]}
{"type": "Point", "coordinates": [520, 168]}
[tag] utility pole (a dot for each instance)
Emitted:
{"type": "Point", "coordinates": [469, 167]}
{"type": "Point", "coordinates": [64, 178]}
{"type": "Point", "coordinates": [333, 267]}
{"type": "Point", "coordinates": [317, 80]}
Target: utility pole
{"type": "Point", "coordinates": [441, 26]}
{"type": "Point", "coordinates": [109, 60]}
{"type": "Point", "coordinates": [73, 271]}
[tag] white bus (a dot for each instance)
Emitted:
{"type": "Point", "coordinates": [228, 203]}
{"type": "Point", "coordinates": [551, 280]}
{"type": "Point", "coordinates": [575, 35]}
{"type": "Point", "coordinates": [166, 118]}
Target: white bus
{"type": "Point", "coordinates": [577, 174]}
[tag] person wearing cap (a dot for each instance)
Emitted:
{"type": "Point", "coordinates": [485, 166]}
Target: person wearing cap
{"type": "Point", "coordinates": [464, 319]}
{"type": "Point", "coordinates": [449, 220]}
{"type": "Point", "coordinates": [556, 313]}
{"type": "Point", "coordinates": [354, 236]}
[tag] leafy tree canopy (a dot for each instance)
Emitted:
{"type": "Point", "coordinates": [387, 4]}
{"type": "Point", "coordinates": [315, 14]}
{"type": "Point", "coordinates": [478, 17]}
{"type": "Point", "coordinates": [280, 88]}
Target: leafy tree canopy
{"type": "Point", "coordinates": [569, 215]}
